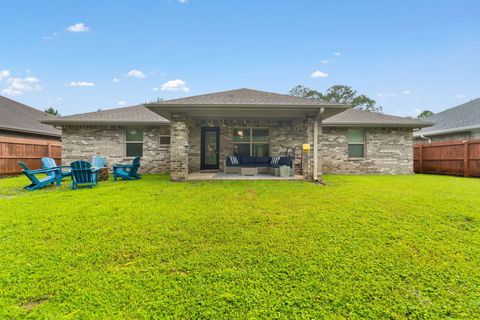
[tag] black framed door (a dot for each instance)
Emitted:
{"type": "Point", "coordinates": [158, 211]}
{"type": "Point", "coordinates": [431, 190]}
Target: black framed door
{"type": "Point", "coordinates": [210, 148]}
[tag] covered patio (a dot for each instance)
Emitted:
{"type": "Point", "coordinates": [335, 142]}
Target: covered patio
{"type": "Point", "coordinates": [206, 129]}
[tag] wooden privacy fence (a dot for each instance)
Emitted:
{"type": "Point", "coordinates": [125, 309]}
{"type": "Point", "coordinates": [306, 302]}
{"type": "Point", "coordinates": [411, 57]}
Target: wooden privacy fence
{"type": "Point", "coordinates": [30, 151]}
{"type": "Point", "coordinates": [458, 158]}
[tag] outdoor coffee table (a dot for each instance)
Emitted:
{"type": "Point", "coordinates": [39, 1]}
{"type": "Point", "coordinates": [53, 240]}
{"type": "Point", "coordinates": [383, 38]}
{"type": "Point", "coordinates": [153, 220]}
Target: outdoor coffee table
{"type": "Point", "coordinates": [248, 171]}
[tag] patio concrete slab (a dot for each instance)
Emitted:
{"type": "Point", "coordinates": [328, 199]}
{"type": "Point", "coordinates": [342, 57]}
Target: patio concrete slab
{"type": "Point", "coordinates": [232, 176]}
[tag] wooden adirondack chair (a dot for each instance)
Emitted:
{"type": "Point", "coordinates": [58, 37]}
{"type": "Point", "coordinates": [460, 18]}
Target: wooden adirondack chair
{"type": "Point", "coordinates": [82, 174]}
{"type": "Point", "coordinates": [49, 163]}
{"type": "Point", "coordinates": [52, 176]}
{"type": "Point", "coordinates": [127, 171]}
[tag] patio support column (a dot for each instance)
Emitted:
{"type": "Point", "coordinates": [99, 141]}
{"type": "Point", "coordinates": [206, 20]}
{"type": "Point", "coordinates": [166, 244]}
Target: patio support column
{"type": "Point", "coordinates": [178, 147]}
{"type": "Point", "coordinates": [307, 157]}
{"type": "Point", "coordinates": [317, 130]}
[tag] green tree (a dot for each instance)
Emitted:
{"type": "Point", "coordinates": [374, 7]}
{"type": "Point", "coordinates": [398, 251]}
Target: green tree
{"type": "Point", "coordinates": [424, 114]}
{"type": "Point", "coordinates": [339, 94]}
{"type": "Point", "coordinates": [52, 111]}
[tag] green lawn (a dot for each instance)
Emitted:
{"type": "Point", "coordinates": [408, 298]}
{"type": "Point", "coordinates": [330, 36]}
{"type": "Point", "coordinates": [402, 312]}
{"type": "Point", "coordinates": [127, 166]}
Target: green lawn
{"type": "Point", "coordinates": [361, 246]}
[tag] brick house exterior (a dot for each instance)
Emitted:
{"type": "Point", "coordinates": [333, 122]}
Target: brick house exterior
{"type": "Point", "coordinates": [289, 123]}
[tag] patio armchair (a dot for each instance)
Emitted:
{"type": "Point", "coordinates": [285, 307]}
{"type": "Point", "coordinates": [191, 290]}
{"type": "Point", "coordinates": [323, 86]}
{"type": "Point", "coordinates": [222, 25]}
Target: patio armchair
{"type": "Point", "coordinates": [53, 176]}
{"type": "Point", "coordinates": [49, 163]}
{"type": "Point", "coordinates": [82, 174]}
{"type": "Point", "coordinates": [127, 171]}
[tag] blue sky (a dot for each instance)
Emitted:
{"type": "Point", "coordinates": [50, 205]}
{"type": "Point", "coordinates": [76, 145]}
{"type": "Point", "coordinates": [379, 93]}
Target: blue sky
{"type": "Point", "coordinates": [78, 56]}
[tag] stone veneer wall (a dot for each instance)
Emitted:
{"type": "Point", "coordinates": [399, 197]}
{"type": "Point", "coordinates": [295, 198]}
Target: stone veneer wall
{"type": "Point", "coordinates": [445, 137]}
{"type": "Point", "coordinates": [83, 142]}
{"type": "Point", "coordinates": [387, 151]}
{"type": "Point", "coordinates": [179, 133]}
{"type": "Point", "coordinates": [285, 137]}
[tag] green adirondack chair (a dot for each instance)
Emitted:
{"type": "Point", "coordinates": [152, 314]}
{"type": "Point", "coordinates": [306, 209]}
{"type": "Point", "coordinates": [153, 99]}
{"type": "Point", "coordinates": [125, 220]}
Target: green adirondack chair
{"type": "Point", "coordinates": [49, 163]}
{"type": "Point", "coordinates": [127, 171]}
{"type": "Point", "coordinates": [82, 174]}
{"type": "Point", "coordinates": [52, 176]}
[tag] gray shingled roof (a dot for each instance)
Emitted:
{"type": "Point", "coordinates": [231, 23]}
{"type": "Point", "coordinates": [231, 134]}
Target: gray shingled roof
{"type": "Point", "coordinates": [463, 117]}
{"type": "Point", "coordinates": [354, 117]}
{"type": "Point", "coordinates": [18, 117]}
{"type": "Point", "coordinates": [245, 97]}
{"type": "Point", "coordinates": [138, 114]}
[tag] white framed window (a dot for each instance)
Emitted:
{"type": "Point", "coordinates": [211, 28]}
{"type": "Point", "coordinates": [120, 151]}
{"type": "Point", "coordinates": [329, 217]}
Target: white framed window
{"type": "Point", "coordinates": [356, 143]}
{"type": "Point", "coordinates": [253, 142]}
{"type": "Point", "coordinates": [164, 135]}
{"type": "Point", "coordinates": [134, 142]}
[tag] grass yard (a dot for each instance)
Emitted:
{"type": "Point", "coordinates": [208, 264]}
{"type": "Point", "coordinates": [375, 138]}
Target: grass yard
{"type": "Point", "coordinates": [362, 246]}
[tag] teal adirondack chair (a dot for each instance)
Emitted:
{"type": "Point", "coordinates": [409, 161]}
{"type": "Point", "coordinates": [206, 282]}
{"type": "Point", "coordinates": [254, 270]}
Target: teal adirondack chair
{"type": "Point", "coordinates": [52, 176]}
{"type": "Point", "coordinates": [127, 171]}
{"type": "Point", "coordinates": [82, 174]}
{"type": "Point", "coordinates": [98, 162]}
{"type": "Point", "coordinates": [49, 163]}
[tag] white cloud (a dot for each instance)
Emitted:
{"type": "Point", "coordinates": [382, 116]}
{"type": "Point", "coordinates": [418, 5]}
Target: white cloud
{"type": "Point", "coordinates": [173, 85]}
{"type": "Point", "coordinates": [183, 1]}
{"type": "Point", "coordinates": [122, 103]}
{"type": "Point", "coordinates": [136, 74]}
{"type": "Point", "coordinates": [406, 92]}
{"type": "Point", "coordinates": [115, 80]}
{"type": "Point", "coordinates": [78, 27]}
{"type": "Point", "coordinates": [385, 95]}
{"type": "Point", "coordinates": [80, 84]}
{"type": "Point", "coordinates": [325, 61]}
{"type": "Point", "coordinates": [18, 86]}
{"type": "Point", "coordinates": [461, 95]}
{"type": "Point", "coordinates": [59, 99]}
{"type": "Point", "coordinates": [4, 74]}
{"type": "Point", "coordinates": [50, 37]}
{"type": "Point", "coordinates": [337, 54]}
{"type": "Point", "coordinates": [318, 74]}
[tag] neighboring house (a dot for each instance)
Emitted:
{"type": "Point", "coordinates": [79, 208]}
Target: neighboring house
{"type": "Point", "coordinates": [24, 138]}
{"type": "Point", "coordinates": [196, 133]}
{"type": "Point", "coordinates": [459, 123]}
{"type": "Point", "coordinates": [21, 121]}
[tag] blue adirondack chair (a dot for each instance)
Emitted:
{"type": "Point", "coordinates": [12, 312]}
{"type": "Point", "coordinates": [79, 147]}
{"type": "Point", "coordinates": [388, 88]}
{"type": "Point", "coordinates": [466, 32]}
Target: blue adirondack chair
{"type": "Point", "coordinates": [127, 171]}
{"type": "Point", "coordinates": [98, 162]}
{"type": "Point", "coordinates": [42, 182]}
{"type": "Point", "coordinates": [82, 174]}
{"type": "Point", "coordinates": [49, 163]}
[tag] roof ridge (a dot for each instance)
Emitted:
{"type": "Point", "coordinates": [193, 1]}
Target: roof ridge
{"type": "Point", "coordinates": [465, 104]}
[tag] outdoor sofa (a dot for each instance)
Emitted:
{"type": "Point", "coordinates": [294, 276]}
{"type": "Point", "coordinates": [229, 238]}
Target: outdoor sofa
{"type": "Point", "coordinates": [265, 165]}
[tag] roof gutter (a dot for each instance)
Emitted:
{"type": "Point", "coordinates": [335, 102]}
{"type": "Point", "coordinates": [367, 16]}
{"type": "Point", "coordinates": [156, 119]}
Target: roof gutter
{"type": "Point", "coordinates": [42, 133]}
{"type": "Point", "coordinates": [453, 130]}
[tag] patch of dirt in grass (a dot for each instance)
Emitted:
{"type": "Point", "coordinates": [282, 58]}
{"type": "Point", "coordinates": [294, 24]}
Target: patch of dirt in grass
{"type": "Point", "coordinates": [33, 303]}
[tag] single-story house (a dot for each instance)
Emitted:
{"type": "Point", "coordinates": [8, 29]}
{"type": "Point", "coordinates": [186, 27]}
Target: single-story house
{"type": "Point", "coordinates": [197, 133]}
{"type": "Point", "coordinates": [459, 123]}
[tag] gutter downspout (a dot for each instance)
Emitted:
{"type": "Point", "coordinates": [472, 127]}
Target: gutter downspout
{"type": "Point", "coordinates": [426, 138]}
{"type": "Point", "coordinates": [318, 119]}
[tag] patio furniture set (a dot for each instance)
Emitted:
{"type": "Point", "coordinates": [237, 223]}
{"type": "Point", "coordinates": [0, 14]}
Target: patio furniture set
{"type": "Point", "coordinates": [82, 173]}
{"type": "Point", "coordinates": [251, 166]}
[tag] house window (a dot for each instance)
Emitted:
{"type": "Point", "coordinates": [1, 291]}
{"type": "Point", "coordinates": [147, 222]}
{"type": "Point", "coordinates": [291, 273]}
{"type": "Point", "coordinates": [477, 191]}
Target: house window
{"type": "Point", "coordinates": [134, 142]}
{"type": "Point", "coordinates": [164, 135]}
{"type": "Point", "coordinates": [356, 143]}
{"type": "Point", "coordinates": [475, 134]}
{"type": "Point", "coordinates": [251, 142]}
